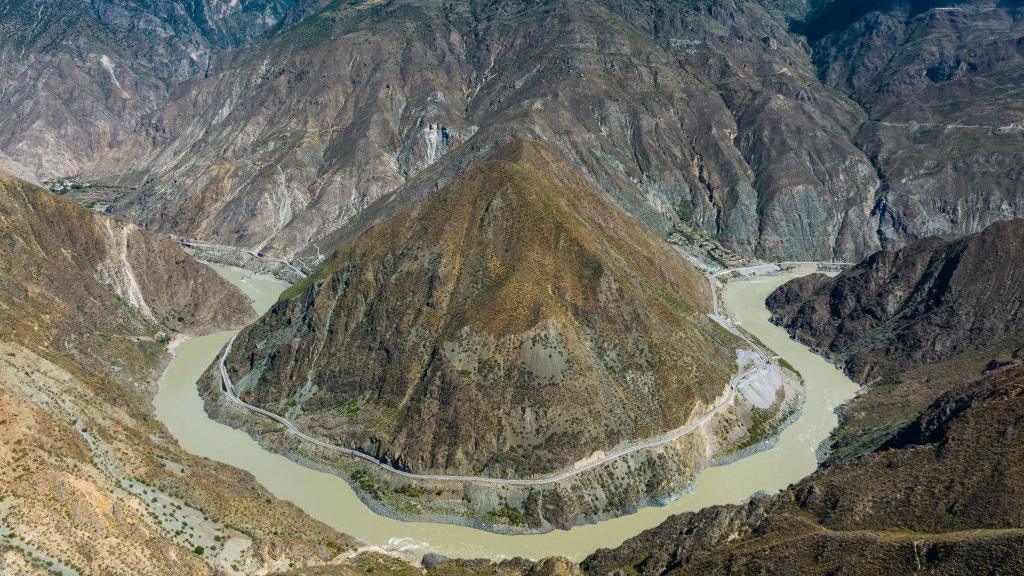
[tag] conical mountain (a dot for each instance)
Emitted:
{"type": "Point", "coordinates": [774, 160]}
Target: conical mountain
{"type": "Point", "coordinates": [510, 324]}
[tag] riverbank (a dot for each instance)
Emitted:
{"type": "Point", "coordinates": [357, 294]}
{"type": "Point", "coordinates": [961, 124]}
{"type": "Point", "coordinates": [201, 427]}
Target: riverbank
{"type": "Point", "coordinates": [331, 500]}
{"type": "Point", "coordinates": [232, 257]}
{"type": "Point", "coordinates": [754, 407]}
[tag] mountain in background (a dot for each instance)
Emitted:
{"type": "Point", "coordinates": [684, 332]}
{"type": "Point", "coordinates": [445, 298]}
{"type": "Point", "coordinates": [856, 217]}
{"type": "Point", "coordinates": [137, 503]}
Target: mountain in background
{"type": "Point", "coordinates": [716, 116]}
{"type": "Point", "coordinates": [77, 77]}
{"type": "Point", "coordinates": [704, 113]}
{"type": "Point", "coordinates": [943, 85]}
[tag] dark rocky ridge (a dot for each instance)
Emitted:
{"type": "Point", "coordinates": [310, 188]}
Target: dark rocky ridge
{"type": "Point", "coordinates": [926, 476]}
{"type": "Point", "coordinates": [939, 499]}
{"type": "Point", "coordinates": [910, 324]}
{"type": "Point", "coordinates": [899, 310]}
{"type": "Point", "coordinates": [458, 335]}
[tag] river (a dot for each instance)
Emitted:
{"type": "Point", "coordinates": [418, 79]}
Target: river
{"type": "Point", "coordinates": [329, 499]}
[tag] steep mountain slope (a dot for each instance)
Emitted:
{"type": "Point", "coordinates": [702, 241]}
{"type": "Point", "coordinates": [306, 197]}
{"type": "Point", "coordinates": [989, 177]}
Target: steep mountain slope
{"type": "Point", "coordinates": [78, 270]}
{"type": "Point", "coordinates": [944, 87]}
{"type": "Point", "coordinates": [911, 323]}
{"type": "Point", "coordinates": [676, 110]}
{"type": "Point", "coordinates": [515, 324]}
{"type": "Point", "coordinates": [944, 499]}
{"type": "Point", "coordinates": [89, 482]}
{"type": "Point", "coordinates": [75, 77]}
{"type": "Point", "coordinates": [456, 334]}
{"type": "Point", "coordinates": [926, 475]}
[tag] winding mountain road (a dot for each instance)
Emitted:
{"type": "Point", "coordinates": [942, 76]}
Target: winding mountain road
{"type": "Point", "coordinates": [192, 243]}
{"type": "Point", "coordinates": [227, 386]}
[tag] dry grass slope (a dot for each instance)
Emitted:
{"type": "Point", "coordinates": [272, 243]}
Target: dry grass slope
{"type": "Point", "coordinates": [512, 323]}
{"type": "Point", "coordinates": [89, 481]}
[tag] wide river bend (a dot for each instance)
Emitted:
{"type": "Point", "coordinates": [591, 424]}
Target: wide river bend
{"type": "Point", "coordinates": [329, 499]}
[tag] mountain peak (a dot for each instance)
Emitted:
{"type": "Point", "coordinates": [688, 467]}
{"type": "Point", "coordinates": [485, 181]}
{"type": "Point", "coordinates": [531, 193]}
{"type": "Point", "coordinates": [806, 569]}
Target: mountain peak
{"type": "Point", "coordinates": [460, 328]}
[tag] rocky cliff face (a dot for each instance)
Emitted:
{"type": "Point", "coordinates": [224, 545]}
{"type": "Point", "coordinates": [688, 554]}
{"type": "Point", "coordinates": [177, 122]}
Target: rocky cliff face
{"type": "Point", "coordinates": [76, 77]}
{"type": "Point", "coordinates": [456, 336]}
{"type": "Point", "coordinates": [708, 113]}
{"type": "Point", "coordinates": [942, 86]}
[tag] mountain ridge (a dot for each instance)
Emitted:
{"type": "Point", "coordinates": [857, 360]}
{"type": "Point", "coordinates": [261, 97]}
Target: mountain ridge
{"type": "Point", "coordinates": [923, 473]}
{"type": "Point", "coordinates": [513, 324]}
{"type": "Point", "coordinates": [91, 481]}
{"type": "Point", "coordinates": [514, 288]}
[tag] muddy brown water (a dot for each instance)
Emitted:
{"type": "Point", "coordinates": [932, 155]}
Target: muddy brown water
{"type": "Point", "coordinates": [329, 499]}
